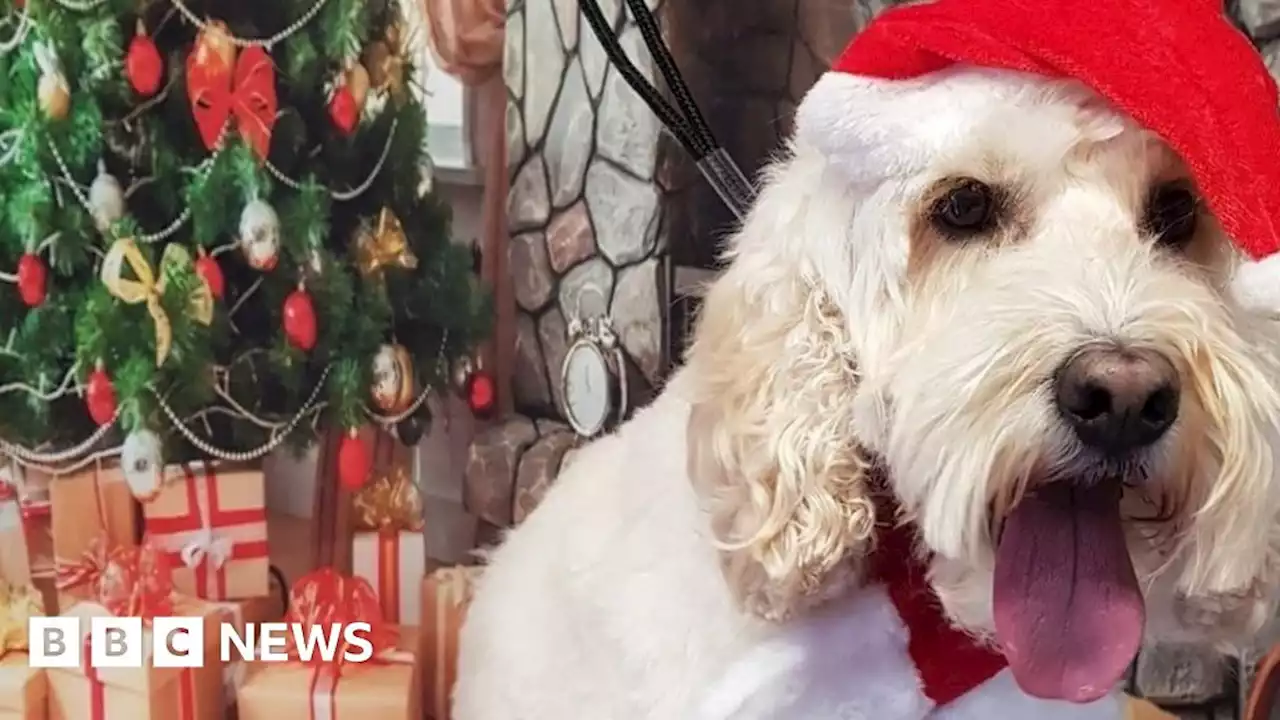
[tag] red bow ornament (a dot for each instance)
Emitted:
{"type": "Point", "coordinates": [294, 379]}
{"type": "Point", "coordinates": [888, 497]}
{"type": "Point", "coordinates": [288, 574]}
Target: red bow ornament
{"type": "Point", "coordinates": [325, 598]}
{"type": "Point", "coordinates": [137, 583]}
{"type": "Point", "coordinates": [250, 94]}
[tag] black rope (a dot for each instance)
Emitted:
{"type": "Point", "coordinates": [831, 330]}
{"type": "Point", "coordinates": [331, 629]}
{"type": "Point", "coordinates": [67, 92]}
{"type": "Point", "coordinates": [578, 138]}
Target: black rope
{"type": "Point", "coordinates": [686, 122]}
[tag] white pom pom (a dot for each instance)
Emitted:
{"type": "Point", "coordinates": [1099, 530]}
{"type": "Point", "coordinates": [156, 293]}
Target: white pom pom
{"type": "Point", "coordinates": [1256, 285]}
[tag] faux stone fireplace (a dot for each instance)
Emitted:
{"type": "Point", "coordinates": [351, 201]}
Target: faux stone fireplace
{"type": "Point", "coordinates": [601, 197]}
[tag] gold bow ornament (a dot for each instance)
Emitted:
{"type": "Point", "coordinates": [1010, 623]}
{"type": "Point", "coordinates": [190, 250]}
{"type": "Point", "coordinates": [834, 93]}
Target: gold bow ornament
{"type": "Point", "coordinates": [388, 504]}
{"type": "Point", "coordinates": [384, 245]}
{"type": "Point", "coordinates": [18, 604]}
{"type": "Point", "coordinates": [148, 287]}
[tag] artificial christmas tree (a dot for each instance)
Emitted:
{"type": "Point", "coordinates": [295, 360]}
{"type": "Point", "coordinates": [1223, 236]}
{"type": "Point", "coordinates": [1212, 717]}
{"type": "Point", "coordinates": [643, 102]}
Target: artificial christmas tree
{"type": "Point", "coordinates": [215, 218]}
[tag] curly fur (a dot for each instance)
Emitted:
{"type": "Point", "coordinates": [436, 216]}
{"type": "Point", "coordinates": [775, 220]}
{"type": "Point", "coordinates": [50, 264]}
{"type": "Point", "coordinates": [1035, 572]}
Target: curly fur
{"type": "Point", "coordinates": [707, 561]}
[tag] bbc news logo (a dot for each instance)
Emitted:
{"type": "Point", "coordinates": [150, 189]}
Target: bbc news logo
{"type": "Point", "coordinates": [179, 642]}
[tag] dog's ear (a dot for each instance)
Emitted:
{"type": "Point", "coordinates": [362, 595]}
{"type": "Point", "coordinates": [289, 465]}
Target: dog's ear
{"type": "Point", "coordinates": [771, 450]}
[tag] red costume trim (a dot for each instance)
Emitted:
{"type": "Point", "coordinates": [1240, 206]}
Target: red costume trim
{"type": "Point", "coordinates": [949, 661]}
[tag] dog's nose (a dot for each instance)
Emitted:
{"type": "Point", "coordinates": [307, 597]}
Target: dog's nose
{"type": "Point", "coordinates": [1118, 400]}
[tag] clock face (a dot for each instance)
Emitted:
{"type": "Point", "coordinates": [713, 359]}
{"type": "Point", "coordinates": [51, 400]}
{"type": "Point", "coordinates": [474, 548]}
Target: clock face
{"type": "Point", "coordinates": [587, 389]}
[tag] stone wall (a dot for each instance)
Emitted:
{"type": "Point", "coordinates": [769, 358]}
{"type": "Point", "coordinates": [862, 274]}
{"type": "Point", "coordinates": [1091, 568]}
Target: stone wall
{"type": "Point", "coordinates": [587, 234]}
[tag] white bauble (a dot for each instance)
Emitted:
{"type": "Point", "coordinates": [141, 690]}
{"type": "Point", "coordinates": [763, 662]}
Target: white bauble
{"type": "Point", "coordinates": [142, 463]}
{"type": "Point", "coordinates": [388, 376]}
{"type": "Point", "coordinates": [260, 235]}
{"type": "Point", "coordinates": [106, 198]}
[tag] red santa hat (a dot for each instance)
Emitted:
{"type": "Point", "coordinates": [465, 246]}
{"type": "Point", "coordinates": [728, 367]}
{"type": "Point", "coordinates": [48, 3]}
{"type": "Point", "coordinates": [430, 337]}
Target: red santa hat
{"type": "Point", "coordinates": [1177, 67]}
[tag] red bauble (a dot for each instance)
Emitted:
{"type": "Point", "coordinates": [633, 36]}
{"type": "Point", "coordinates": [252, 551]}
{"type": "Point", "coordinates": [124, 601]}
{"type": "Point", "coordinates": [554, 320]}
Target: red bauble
{"type": "Point", "coordinates": [300, 320]}
{"type": "Point", "coordinates": [343, 109]}
{"type": "Point", "coordinates": [354, 463]}
{"type": "Point", "coordinates": [100, 397]}
{"type": "Point", "coordinates": [33, 279]}
{"type": "Point", "coordinates": [481, 393]}
{"type": "Point", "coordinates": [142, 64]}
{"type": "Point", "coordinates": [211, 271]}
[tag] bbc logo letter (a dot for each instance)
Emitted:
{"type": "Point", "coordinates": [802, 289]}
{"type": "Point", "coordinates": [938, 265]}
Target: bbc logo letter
{"type": "Point", "coordinates": [60, 642]}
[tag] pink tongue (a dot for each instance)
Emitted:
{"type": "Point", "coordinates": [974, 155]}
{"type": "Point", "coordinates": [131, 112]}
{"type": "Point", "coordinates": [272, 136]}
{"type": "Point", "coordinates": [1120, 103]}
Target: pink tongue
{"type": "Point", "coordinates": [1068, 610]}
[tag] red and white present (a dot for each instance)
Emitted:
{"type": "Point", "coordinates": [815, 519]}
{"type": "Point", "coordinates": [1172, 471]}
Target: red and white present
{"type": "Point", "coordinates": [393, 562]}
{"type": "Point", "coordinates": [212, 524]}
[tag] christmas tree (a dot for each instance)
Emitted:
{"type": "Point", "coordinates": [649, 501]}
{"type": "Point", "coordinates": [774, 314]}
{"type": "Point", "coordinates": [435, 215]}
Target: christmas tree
{"type": "Point", "coordinates": [217, 231]}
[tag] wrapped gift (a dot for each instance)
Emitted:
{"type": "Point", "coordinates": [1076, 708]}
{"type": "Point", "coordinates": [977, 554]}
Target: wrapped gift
{"type": "Point", "coordinates": [319, 690]}
{"type": "Point", "coordinates": [212, 522]}
{"type": "Point", "coordinates": [92, 512]}
{"type": "Point", "coordinates": [445, 595]}
{"type": "Point", "coordinates": [23, 691]}
{"type": "Point", "coordinates": [137, 583]}
{"type": "Point", "coordinates": [387, 548]}
{"type": "Point", "coordinates": [240, 614]}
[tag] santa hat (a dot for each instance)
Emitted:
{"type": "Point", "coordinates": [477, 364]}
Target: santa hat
{"type": "Point", "coordinates": [1177, 67]}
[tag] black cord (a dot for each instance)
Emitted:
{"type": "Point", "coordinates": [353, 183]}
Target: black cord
{"type": "Point", "coordinates": [648, 27]}
{"type": "Point", "coordinates": [649, 94]}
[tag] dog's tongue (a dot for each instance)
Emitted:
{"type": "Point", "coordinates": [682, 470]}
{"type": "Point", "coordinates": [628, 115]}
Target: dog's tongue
{"type": "Point", "coordinates": [1068, 612]}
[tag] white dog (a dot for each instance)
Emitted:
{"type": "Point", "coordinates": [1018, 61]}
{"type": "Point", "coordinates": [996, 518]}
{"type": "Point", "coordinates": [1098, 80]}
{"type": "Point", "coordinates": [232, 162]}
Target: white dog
{"type": "Point", "coordinates": [993, 304]}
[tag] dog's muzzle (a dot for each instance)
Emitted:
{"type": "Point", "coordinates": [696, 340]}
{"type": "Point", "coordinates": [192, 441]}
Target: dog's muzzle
{"type": "Point", "coordinates": [1118, 400]}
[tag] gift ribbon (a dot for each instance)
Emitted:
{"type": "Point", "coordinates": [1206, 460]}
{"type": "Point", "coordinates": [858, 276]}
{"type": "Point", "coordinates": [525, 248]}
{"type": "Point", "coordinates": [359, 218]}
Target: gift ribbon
{"type": "Point", "coordinates": [191, 539]}
{"type": "Point", "coordinates": [391, 502]}
{"type": "Point", "coordinates": [18, 604]}
{"type": "Point", "coordinates": [97, 691]}
{"type": "Point", "coordinates": [84, 571]}
{"type": "Point", "coordinates": [149, 287]}
{"type": "Point", "coordinates": [389, 575]}
{"type": "Point", "coordinates": [324, 693]}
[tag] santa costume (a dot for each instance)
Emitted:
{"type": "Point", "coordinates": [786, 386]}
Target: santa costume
{"type": "Point", "coordinates": [1177, 67]}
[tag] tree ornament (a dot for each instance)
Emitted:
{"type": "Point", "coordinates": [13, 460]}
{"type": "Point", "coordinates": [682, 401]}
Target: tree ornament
{"type": "Point", "coordinates": [209, 269]}
{"type": "Point", "coordinates": [462, 369]}
{"type": "Point", "coordinates": [148, 287]}
{"type": "Point", "coordinates": [343, 110]}
{"type": "Point", "coordinates": [33, 279]}
{"type": "Point", "coordinates": [357, 81]}
{"type": "Point", "coordinates": [100, 396]}
{"type": "Point", "coordinates": [106, 199]}
{"type": "Point", "coordinates": [249, 95]}
{"type": "Point", "coordinates": [411, 429]}
{"type": "Point", "coordinates": [143, 65]}
{"type": "Point", "coordinates": [52, 90]}
{"type": "Point", "coordinates": [354, 463]}
{"type": "Point", "coordinates": [260, 235]}
{"type": "Point", "coordinates": [385, 61]}
{"type": "Point", "coordinates": [142, 461]}
{"type": "Point", "coordinates": [214, 42]}
{"type": "Point", "coordinates": [300, 320]}
{"type": "Point", "coordinates": [393, 387]}
{"type": "Point", "coordinates": [482, 393]}
{"type": "Point", "coordinates": [384, 245]}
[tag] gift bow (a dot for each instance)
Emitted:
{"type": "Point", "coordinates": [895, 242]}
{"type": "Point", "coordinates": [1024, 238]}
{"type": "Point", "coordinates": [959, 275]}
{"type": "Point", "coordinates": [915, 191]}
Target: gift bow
{"type": "Point", "coordinates": [150, 284]}
{"type": "Point", "coordinates": [137, 583]}
{"type": "Point", "coordinates": [250, 95]}
{"type": "Point", "coordinates": [85, 570]}
{"type": "Point", "coordinates": [206, 547]}
{"type": "Point", "coordinates": [325, 598]}
{"type": "Point", "coordinates": [390, 503]}
{"type": "Point", "coordinates": [18, 604]}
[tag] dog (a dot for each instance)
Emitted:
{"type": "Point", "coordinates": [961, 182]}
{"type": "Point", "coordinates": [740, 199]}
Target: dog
{"type": "Point", "coordinates": [996, 310]}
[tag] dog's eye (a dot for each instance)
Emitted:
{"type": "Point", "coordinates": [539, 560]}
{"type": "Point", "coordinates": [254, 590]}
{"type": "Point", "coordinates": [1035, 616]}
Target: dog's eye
{"type": "Point", "coordinates": [1171, 214]}
{"type": "Point", "coordinates": [966, 209]}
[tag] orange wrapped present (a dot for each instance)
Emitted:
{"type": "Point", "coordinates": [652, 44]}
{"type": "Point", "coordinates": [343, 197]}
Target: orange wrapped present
{"type": "Point", "coordinates": [212, 522]}
{"type": "Point", "coordinates": [15, 561]}
{"type": "Point", "coordinates": [137, 583]}
{"type": "Point", "coordinates": [91, 512]}
{"type": "Point", "coordinates": [387, 548]}
{"type": "Point", "coordinates": [23, 689]}
{"type": "Point", "coordinates": [445, 595]}
{"type": "Point", "coordinates": [334, 689]}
